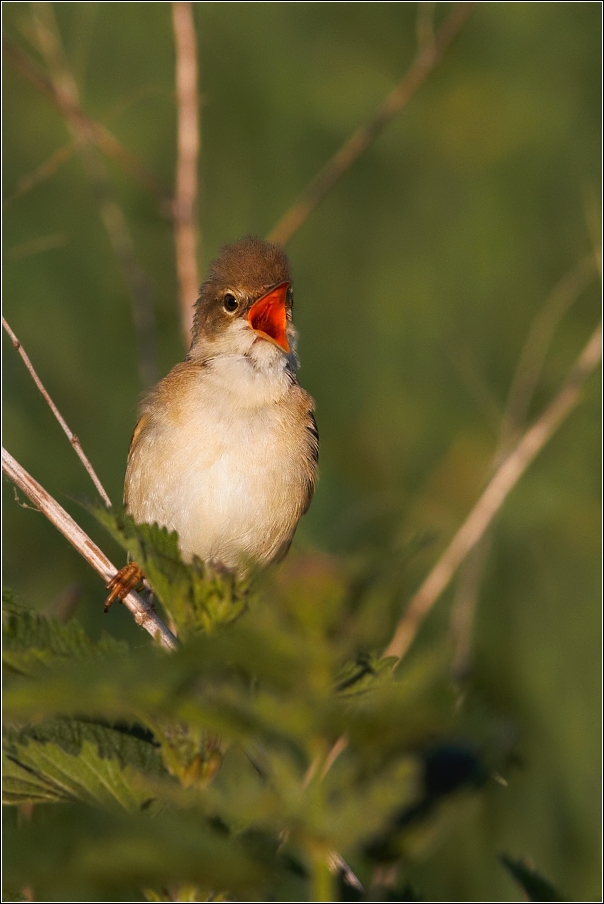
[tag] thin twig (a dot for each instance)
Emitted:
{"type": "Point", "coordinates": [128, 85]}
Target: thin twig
{"type": "Point", "coordinates": [140, 609]}
{"type": "Point", "coordinates": [424, 24]}
{"type": "Point", "coordinates": [97, 132]}
{"type": "Point", "coordinates": [513, 421]}
{"type": "Point", "coordinates": [339, 747]}
{"type": "Point", "coordinates": [186, 230]}
{"type": "Point", "coordinates": [427, 58]}
{"type": "Point", "coordinates": [68, 432]}
{"type": "Point", "coordinates": [338, 865]}
{"type": "Point", "coordinates": [41, 173]}
{"type": "Point", "coordinates": [430, 50]}
{"type": "Point", "coordinates": [67, 94]}
{"type": "Point", "coordinates": [36, 246]}
{"type": "Point", "coordinates": [537, 342]}
{"type": "Point", "coordinates": [493, 497]}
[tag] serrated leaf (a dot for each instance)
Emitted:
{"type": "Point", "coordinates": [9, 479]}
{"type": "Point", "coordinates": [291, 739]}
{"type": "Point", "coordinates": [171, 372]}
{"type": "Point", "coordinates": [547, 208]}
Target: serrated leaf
{"type": "Point", "coordinates": [195, 597]}
{"type": "Point", "coordinates": [534, 885]}
{"type": "Point", "coordinates": [30, 639]}
{"type": "Point", "coordinates": [70, 759]}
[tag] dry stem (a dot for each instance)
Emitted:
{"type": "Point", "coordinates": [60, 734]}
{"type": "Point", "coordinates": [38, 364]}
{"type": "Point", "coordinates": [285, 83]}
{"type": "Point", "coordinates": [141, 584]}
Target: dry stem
{"type": "Point", "coordinates": [513, 420]}
{"type": "Point", "coordinates": [186, 232]}
{"type": "Point", "coordinates": [493, 497]}
{"type": "Point", "coordinates": [67, 95]}
{"type": "Point", "coordinates": [38, 245]}
{"type": "Point", "coordinates": [70, 435]}
{"type": "Point", "coordinates": [41, 173]}
{"type": "Point", "coordinates": [96, 131]}
{"type": "Point", "coordinates": [537, 342]}
{"type": "Point", "coordinates": [141, 610]}
{"type": "Point", "coordinates": [427, 58]}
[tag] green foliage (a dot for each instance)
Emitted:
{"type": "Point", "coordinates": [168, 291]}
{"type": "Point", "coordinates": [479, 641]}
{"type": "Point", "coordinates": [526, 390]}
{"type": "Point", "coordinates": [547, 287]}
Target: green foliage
{"type": "Point", "coordinates": [417, 280]}
{"type": "Point", "coordinates": [195, 598]}
{"type": "Point", "coordinates": [69, 759]}
{"type": "Point", "coordinates": [230, 734]}
{"type": "Point", "coordinates": [30, 640]}
{"type": "Point", "coordinates": [83, 854]}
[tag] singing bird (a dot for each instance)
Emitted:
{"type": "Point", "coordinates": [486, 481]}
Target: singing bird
{"type": "Point", "coordinates": [226, 446]}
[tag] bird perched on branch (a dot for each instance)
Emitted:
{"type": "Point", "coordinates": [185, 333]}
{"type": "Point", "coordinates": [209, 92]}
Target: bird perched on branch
{"type": "Point", "coordinates": [225, 450]}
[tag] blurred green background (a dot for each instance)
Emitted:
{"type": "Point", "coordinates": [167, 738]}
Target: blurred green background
{"type": "Point", "coordinates": [416, 280]}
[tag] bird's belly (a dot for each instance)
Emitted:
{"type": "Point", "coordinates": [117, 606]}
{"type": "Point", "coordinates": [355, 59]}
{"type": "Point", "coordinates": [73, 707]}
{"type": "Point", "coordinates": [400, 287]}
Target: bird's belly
{"type": "Point", "coordinates": [235, 496]}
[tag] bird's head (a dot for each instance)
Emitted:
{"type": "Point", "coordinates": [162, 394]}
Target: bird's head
{"type": "Point", "coordinates": [245, 305]}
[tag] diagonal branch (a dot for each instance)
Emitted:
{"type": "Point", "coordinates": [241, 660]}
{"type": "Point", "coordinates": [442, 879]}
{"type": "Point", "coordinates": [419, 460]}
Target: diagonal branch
{"type": "Point", "coordinates": [537, 342]}
{"type": "Point", "coordinates": [46, 169]}
{"type": "Point", "coordinates": [141, 610]}
{"type": "Point", "coordinates": [70, 435]}
{"type": "Point", "coordinates": [520, 396]}
{"type": "Point", "coordinates": [67, 95]}
{"type": "Point", "coordinates": [429, 55]}
{"type": "Point", "coordinates": [186, 229]}
{"type": "Point", "coordinates": [38, 245]}
{"type": "Point", "coordinates": [493, 497]}
{"type": "Point", "coordinates": [96, 131]}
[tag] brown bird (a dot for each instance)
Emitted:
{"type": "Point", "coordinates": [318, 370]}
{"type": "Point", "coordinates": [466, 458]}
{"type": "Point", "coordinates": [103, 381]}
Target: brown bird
{"type": "Point", "coordinates": [225, 450]}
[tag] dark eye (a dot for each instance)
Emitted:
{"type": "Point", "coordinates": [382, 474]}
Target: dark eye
{"type": "Point", "coordinates": [230, 303]}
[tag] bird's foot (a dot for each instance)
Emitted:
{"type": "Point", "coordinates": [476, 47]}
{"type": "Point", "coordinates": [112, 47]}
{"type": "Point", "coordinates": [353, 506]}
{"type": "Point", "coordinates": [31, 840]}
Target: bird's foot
{"type": "Point", "coordinates": [128, 578]}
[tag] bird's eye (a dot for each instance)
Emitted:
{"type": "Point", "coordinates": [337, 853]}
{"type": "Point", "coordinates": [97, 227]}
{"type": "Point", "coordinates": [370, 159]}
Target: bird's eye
{"type": "Point", "coordinates": [230, 303]}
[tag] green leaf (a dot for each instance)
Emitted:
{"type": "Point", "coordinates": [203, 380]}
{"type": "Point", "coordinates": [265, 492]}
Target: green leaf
{"type": "Point", "coordinates": [535, 886]}
{"type": "Point", "coordinates": [70, 759]}
{"type": "Point", "coordinates": [195, 597]}
{"type": "Point", "coordinates": [31, 639]}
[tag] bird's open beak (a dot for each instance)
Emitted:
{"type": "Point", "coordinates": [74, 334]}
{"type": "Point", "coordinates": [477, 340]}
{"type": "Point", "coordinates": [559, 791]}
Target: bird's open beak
{"type": "Point", "coordinates": [268, 316]}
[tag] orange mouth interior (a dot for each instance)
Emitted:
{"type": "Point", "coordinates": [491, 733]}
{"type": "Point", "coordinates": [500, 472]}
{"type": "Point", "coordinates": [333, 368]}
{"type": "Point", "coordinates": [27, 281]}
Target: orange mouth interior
{"type": "Point", "coordinates": [268, 316]}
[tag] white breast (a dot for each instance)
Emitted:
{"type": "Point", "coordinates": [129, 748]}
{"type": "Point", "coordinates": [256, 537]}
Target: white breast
{"type": "Point", "coordinates": [229, 471]}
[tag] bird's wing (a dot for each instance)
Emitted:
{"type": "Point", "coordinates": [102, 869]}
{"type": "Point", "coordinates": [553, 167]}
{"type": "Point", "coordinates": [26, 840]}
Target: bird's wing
{"type": "Point", "coordinates": [136, 434]}
{"type": "Point", "coordinates": [138, 429]}
{"type": "Point", "coordinates": [313, 448]}
{"type": "Point", "coordinates": [314, 432]}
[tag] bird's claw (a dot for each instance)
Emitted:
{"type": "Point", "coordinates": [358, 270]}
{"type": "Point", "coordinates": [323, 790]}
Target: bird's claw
{"type": "Point", "coordinates": [127, 579]}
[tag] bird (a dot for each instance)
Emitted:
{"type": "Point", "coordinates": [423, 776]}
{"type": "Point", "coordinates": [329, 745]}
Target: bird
{"type": "Point", "coordinates": [225, 450]}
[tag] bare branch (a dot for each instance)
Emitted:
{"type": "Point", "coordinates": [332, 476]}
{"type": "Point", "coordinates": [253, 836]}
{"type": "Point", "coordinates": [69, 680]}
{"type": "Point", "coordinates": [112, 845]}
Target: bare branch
{"type": "Point", "coordinates": [140, 609]}
{"type": "Point", "coordinates": [36, 246]}
{"type": "Point", "coordinates": [493, 497]}
{"type": "Point", "coordinates": [41, 173]}
{"type": "Point", "coordinates": [67, 94]}
{"type": "Point", "coordinates": [338, 865]}
{"type": "Point", "coordinates": [339, 747]}
{"type": "Point", "coordinates": [98, 133]}
{"type": "Point", "coordinates": [186, 229]}
{"type": "Point", "coordinates": [512, 422]}
{"type": "Point", "coordinates": [427, 58]}
{"type": "Point", "coordinates": [424, 24]}
{"type": "Point", "coordinates": [538, 340]}
{"type": "Point", "coordinates": [69, 433]}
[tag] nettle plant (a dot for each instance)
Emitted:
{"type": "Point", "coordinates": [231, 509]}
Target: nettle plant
{"type": "Point", "coordinates": [256, 749]}
{"type": "Point", "coordinates": [263, 758]}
